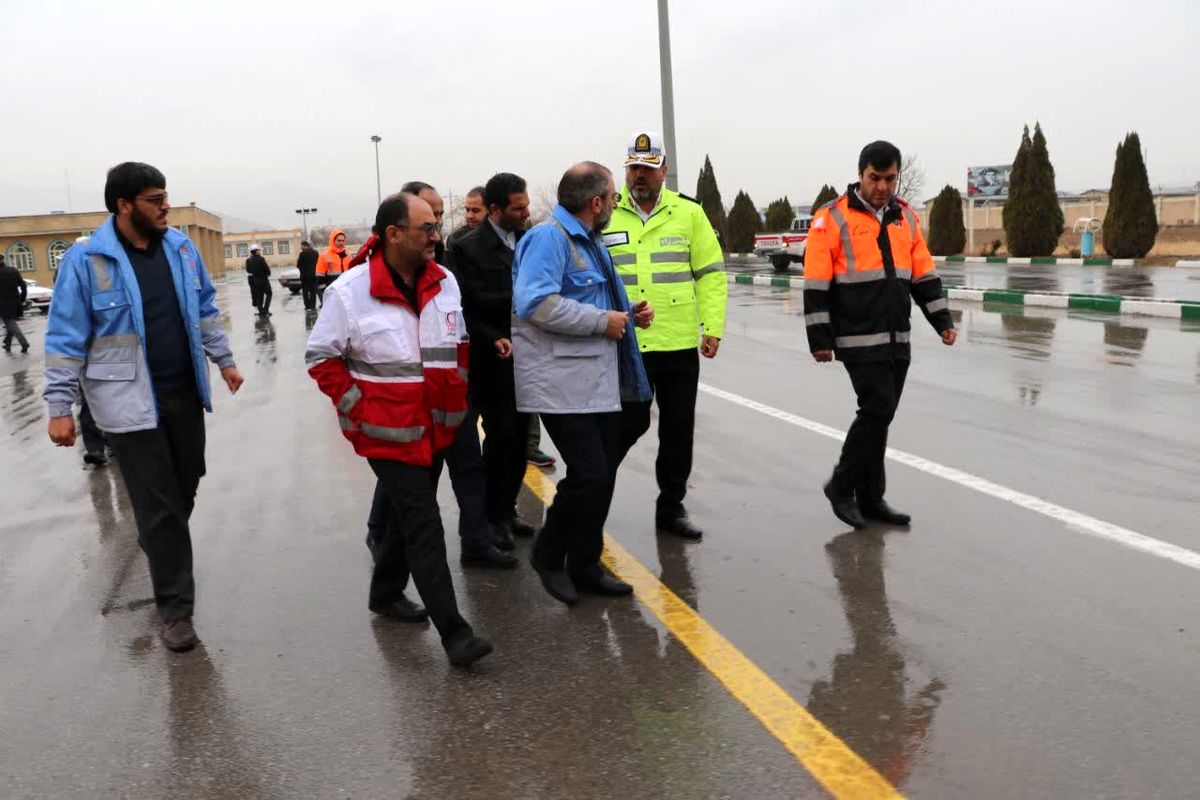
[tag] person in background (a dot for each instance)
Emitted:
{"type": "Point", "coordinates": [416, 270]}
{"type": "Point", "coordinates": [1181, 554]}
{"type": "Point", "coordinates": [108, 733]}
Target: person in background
{"type": "Point", "coordinates": [13, 292]}
{"type": "Point", "coordinates": [260, 281]}
{"type": "Point", "coordinates": [306, 262]}
{"type": "Point", "coordinates": [474, 212]}
{"type": "Point", "coordinates": [333, 262]}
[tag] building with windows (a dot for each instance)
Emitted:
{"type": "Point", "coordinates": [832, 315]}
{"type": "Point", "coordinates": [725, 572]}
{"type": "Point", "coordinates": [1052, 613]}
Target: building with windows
{"type": "Point", "coordinates": [279, 248]}
{"type": "Point", "coordinates": [35, 244]}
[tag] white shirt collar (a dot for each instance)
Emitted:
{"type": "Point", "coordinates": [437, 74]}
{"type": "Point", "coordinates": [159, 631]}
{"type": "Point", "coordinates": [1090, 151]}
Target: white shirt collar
{"type": "Point", "coordinates": [878, 212]}
{"type": "Point", "coordinates": [508, 237]}
{"type": "Point", "coordinates": [645, 215]}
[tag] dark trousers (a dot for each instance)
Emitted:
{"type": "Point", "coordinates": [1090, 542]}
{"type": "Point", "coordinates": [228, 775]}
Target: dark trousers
{"type": "Point", "coordinates": [416, 543]}
{"type": "Point", "coordinates": [93, 437]}
{"type": "Point", "coordinates": [878, 385]}
{"type": "Point", "coordinates": [465, 462]}
{"type": "Point", "coordinates": [308, 288]}
{"type": "Point", "coordinates": [590, 445]}
{"type": "Point", "coordinates": [260, 294]}
{"type": "Point", "coordinates": [533, 442]}
{"type": "Point", "coordinates": [162, 469]}
{"type": "Point", "coordinates": [13, 330]}
{"type": "Point", "coordinates": [674, 377]}
{"type": "Point", "coordinates": [506, 432]}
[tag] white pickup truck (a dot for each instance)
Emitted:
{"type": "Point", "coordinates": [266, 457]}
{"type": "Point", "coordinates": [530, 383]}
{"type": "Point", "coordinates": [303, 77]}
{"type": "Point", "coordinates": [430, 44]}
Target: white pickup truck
{"type": "Point", "coordinates": [784, 248]}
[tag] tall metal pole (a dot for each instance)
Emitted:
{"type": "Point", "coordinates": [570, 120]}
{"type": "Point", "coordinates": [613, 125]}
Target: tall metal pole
{"type": "Point", "coordinates": [378, 189]}
{"type": "Point", "coordinates": [668, 96]}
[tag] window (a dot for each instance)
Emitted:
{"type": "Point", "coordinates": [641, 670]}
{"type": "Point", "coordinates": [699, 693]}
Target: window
{"type": "Point", "coordinates": [229, 251]}
{"type": "Point", "coordinates": [284, 248]}
{"type": "Point", "coordinates": [268, 249]}
{"type": "Point", "coordinates": [243, 249]}
{"type": "Point", "coordinates": [55, 252]}
{"type": "Point", "coordinates": [20, 256]}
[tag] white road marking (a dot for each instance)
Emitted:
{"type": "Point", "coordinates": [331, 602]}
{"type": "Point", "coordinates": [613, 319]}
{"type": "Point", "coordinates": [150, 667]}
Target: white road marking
{"type": "Point", "coordinates": [1073, 519]}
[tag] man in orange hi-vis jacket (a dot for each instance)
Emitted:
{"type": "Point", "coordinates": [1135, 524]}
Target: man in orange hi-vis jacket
{"type": "Point", "coordinates": [865, 257]}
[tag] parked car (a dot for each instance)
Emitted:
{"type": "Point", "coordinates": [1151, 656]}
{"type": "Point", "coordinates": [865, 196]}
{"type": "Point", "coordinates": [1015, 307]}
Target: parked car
{"type": "Point", "coordinates": [290, 280]}
{"type": "Point", "coordinates": [37, 297]}
{"type": "Point", "coordinates": [786, 247]}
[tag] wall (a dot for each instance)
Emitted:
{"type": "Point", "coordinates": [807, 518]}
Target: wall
{"type": "Point", "coordinates": [290, 237]}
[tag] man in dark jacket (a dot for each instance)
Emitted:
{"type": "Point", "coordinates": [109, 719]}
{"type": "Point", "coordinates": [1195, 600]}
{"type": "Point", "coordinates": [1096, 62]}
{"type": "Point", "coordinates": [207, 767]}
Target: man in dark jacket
{"type": "Point", "coordinates": [260, 281]}
{"type": "Point", "coordinates": [12, 301]}
{"type": "Point", "coordinates": [482, 261]}
{"type": "Point", "coordinates": [307, 264]}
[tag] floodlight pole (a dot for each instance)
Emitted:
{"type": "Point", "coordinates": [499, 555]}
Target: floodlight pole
{"type": "Point", "coordinates": [668, 96]}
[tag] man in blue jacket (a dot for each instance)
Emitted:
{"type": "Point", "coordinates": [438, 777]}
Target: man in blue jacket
{"type": "Point", "coordinates": [575, 359]}
{"type": "Point", "coordinates": [132, 321]}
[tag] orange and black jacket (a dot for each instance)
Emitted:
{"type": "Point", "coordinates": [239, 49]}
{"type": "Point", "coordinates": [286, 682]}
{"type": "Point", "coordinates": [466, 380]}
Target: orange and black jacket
{"type": "Point", "coordinates": [858, 276]}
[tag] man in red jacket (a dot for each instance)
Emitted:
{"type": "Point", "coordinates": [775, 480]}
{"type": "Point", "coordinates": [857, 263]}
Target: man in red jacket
{"type": "Point", "coordinates": [390, 350]}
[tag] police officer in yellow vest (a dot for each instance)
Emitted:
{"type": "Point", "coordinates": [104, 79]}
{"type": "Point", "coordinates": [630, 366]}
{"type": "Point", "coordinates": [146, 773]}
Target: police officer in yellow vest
{"type": "Point", "coordinates": [666, 252]}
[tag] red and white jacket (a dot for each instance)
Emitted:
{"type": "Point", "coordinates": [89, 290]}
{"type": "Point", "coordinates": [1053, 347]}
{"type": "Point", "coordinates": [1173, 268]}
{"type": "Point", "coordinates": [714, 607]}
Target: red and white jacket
{"type": "Point", "coordinates": [397, 375]}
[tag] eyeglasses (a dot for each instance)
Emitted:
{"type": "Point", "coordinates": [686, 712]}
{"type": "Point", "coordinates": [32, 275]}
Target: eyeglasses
{"type": "Point", "coordinates": [154, 199]}
{"type": "Point", "coordinates": [429, 228]}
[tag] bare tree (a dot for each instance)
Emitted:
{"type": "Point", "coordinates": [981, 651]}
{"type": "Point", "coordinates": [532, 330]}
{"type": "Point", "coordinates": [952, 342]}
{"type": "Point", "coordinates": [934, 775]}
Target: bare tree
{"type": "Point", "coordinates": [912, 179]}
{"type": "Point", "coordinates": [542, 201]}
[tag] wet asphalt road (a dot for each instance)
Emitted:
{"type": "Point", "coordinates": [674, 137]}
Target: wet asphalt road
{"type": "Point", "coordinates": [988, 651]}
{"type": "Point", "coordinates": [1163, 283]}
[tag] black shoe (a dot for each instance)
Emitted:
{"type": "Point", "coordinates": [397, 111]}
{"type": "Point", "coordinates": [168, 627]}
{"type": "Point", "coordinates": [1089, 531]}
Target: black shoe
{"type": "Point", "coordinates": [882, 512]}
{"type": "Point", "coordinates": [502, 536]}
{"type": "Point", "coordinates": [558, 584]}
{"type": "Point", "coordinates": [680, 526]}
{"type": "Point", "coordinates": [467, 648]}
{"type": "Point", "coordinates": [96, 459]}
{"type": "Point", "coordinates": [844, 508]}
{"type": "Point", "coordinates": [8, 349]}
{"type": "Point", "coordinates": [600, 582]}
{"type": "Point", "coordinates": [521, 528]}
{"type": "Point", "coordinates": [490, 556]}
{"type": "Point", "coordinates": [179, 635]}
{"type": "Point", "coordinates": [540, 459]}
{"type": "Point", "coordinates": [25, 349]}
{"type": "Point", "coordinates": [402, 609]}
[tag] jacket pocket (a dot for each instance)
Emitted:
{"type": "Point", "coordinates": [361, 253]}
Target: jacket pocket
{"type": "Point", "coordinates": [578, 347]}
{"type": "Point", "coordinates": [111, 302]}
{"type": "Point", "coordinates": [116, 384]}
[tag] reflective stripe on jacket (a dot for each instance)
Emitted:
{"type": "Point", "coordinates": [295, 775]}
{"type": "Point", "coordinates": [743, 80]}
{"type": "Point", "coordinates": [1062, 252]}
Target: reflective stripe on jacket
{"type": "Point", "coordinates": [674, 261]}
{"type": "Point", "coordinates": [333, 261]}
{"type": "Point", "coordinates": [397, 375]}
{"type": "Point", "coordinates": [96, 333]}
{"type": "Point", "coordinates": [858, 276]}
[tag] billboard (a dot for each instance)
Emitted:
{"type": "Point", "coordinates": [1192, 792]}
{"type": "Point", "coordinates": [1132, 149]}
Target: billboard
{"type": "Point", "coordinates": [988, 181]}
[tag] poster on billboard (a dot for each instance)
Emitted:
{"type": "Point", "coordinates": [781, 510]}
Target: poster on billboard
{"type": "Point", "coordinates": [988, 181]}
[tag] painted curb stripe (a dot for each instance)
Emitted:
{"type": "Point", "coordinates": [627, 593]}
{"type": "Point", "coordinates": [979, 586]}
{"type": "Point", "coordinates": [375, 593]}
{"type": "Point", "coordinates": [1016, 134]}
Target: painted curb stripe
{"type": "Point", "coordinates": [1107, 303]}
{"type": "Point", "coordinates": [1074, 520]}
{"type": "Point", "coordinates": [838, 768]}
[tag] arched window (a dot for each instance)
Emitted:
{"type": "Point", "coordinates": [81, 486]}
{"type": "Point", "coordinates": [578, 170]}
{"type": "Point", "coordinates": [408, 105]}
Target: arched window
{"type": "Point", "coordinates": [55, 252]}
{"type": "Point", "coordinates": [20, 256]}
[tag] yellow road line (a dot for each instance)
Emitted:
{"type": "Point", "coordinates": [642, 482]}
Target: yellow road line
{"type": "Point", "coordinates": [838, 768]}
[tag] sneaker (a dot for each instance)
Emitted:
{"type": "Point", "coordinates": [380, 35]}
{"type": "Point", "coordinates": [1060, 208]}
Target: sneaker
{"type": "Point", "coordinates": [179, 635]}
{"type": "Point", "coordinates": [95, 458]}
{"type": "Point", "coordinates": [540, 459]}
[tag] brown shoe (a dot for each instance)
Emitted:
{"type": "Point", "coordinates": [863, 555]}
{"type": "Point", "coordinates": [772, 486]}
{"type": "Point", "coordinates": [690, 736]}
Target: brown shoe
{"type": "Point", "coordinates": [179, 635]}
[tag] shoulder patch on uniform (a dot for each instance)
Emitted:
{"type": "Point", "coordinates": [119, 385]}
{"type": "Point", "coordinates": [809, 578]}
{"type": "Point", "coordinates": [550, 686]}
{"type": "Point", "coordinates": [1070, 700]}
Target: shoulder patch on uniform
{"type": "Point", "coordinates": [688, 198]}
{"type": "Point", "coordinates": [819, 222]}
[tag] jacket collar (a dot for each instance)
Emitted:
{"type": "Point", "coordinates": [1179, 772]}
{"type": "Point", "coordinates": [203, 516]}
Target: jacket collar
{"type": "Point", "coordinates": [104, 241]}
{"type": "Point", "coordinates": [383, 287]}
{"type": "Point", "coordinates": [571, 222]}
{"type": "Point", "coordinates": [489, 236]}
{"type": "Point", "coordinates": [890, 214]}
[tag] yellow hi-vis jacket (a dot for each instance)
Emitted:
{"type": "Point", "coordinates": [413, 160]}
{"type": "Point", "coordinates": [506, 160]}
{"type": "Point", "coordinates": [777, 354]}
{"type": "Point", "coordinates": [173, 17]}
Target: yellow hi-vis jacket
{"type": "Point", "coordinates": [675, 261]}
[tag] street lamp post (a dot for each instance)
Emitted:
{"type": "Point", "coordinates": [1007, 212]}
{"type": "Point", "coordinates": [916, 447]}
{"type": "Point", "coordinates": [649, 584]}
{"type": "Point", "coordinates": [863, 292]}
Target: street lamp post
{"type": "Point", "coordinates": [378, 189]}
{"type": "Point", "coordinates": [304, 212]}
{"type": "Point", "coordinates": [668, 96]}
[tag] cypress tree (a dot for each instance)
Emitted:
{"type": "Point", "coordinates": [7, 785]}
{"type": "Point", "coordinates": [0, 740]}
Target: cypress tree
{"type": "Point", "coordinates": [826, 194]}
{"type": "Point", "coordinates": [1033, 219]}
{"type": "Point", "coordinates": [780, 215]}
{"type": "Point", "coordinates": [744, 222]}
{"type": "Point", "coordinates": [947, 234]}
{"type": "Point", "coordinates": [709, 197]}
{"type": "Point", "coordinates": [1130, 224]}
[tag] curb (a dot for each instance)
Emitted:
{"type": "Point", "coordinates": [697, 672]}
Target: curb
{"type": "Point", "coordinates": [1087, 262]}
{"type": "Point", "coordinates": [1109, 303]}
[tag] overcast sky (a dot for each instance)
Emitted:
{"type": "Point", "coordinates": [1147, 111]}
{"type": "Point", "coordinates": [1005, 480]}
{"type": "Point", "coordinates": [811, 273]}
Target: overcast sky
{"type": "Point", "coordinates": [255, 108]}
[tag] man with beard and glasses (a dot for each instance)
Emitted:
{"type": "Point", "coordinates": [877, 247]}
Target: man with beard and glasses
{"type": "Point", "coordinates": [482, 261]}
{"type": "Point", "coordinates": [390, 350]}
{"type": "Point", "coordinates": [666, 252]}
{"type": "Point", "coordinates": [575, 360]}
{"type": "Point", "coordinates": [133, 318]}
